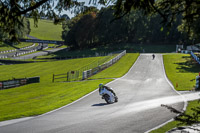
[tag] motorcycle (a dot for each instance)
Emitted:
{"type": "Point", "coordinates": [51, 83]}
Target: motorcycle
{"type": "Point", "coordinates": [108, 96]}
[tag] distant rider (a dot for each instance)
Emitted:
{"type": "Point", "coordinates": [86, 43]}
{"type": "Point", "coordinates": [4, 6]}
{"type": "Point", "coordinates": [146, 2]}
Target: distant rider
{"type": "Point", "coordinates": [153, 56]}
{"type": "Point", "coordinates": [101, 86]}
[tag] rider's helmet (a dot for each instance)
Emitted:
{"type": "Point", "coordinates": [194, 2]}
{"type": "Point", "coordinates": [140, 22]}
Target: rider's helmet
{"type": "Point", "coordinates": [101, 85]}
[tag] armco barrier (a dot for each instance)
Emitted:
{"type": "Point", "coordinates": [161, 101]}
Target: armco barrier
{"type": "Point", "coordinates": [197, 86]}
{"type": "Point", "coordinates": [195, 57]}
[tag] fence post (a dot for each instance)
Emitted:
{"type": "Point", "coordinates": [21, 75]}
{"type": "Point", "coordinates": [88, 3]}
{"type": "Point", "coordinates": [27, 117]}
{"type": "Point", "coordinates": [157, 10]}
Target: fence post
{"type": "Point", "coordinates": [53, 78]}
{"type": "Point", "coordinates": [67, 76]}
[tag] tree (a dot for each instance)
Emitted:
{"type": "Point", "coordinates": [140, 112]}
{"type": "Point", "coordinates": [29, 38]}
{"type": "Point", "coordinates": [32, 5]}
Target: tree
{"type": "Point", "coordinates": [3, 35]}
{"type": "Point", "coordinates": [13, 12]}
{"type": "Point", "coordinates": [78, 31]}
{"type": "Point", "coordinates": [167, 9]}
{"type": "Point", "coordinates": [20, 31]}
{"type": "Point", "coordinates": [89, 30]}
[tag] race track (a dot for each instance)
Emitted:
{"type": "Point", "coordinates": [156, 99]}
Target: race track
{"type": "Point", "coordinates": [141, 92]}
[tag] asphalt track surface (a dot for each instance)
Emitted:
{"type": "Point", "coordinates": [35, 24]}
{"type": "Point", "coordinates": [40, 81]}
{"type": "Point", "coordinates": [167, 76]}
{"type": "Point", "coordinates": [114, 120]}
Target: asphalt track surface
{"type": "Point", "coordinates": [141, 92]}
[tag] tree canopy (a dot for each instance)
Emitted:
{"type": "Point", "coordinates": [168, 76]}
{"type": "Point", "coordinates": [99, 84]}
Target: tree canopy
{"type": "Point", "coordinates": [95, 29]}
{"type": "Point", "coordinates": [14, 11]}
{"type": "Point", "coordinates": [167, 9]}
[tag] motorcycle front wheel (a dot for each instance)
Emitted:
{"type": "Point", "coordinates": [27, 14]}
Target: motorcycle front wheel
{"type": "Point", "coordinates": [107, 98]}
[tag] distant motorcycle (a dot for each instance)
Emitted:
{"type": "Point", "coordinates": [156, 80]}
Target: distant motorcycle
{"type": "Point", "coordinates": [108, 96]}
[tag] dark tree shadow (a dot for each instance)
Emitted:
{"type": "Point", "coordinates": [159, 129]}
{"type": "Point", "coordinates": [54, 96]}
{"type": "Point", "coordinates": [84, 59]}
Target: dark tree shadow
{"type": "Point", "coordinates": [190, 65]}
{"type": "Point", "coordinates": [9, 44]}
{"type": "Point", "coordinates": [100, 104]}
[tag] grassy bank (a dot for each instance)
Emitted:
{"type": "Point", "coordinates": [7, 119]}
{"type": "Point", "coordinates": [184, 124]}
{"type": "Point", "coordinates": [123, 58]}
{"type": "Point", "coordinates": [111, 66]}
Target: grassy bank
{"type": "Point", "coordinates": [181, 70]}
{"type": "Point", "coordinates": [46, 30]}
{"type": "Point", "coordinates": [35, 99]}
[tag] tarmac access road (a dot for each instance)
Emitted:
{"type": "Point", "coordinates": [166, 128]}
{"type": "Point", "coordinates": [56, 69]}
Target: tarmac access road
{"type": "Point", "coordinates": [141, 92]}
{"type": "Point", "coordinates": [38, 53]}
{"type": "Point", "coordinates": [19, 51]}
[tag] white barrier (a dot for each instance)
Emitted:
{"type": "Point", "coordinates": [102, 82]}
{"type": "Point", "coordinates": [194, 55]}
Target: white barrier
{"type": "Point", "coordinates": [22, 53]}
{"type": "Point", "coordinates": [28, 47]}
{"type": "Point", "coordinates": [3, 57]}
{"type": "Point", "coordinates": [87, 73]}
{"type": "Point", "coordinates": [8, 51]}
{"type": "Point", "coordinates": [197, 82]}
{"type": "Point", "coordinates": [112, 61]}
{"type": "Point", "coordinates": [90, 72]}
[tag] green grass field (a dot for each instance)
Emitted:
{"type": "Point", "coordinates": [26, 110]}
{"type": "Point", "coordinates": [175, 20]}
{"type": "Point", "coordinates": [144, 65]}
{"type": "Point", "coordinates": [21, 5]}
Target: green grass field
{"type": "Point", "coordinates": [46, 30]}
{"type": "Point", "coordinates": [38, 98]}
{"type": "Point", "coordinates": [180, 69]}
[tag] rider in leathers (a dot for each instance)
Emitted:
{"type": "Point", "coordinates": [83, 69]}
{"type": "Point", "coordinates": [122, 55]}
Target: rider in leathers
{"type": "Point", "coordinates": [106, 87]}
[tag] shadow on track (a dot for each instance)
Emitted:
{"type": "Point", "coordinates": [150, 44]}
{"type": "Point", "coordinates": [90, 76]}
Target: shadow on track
{"type": "Point", "coordinates": [100, 104]}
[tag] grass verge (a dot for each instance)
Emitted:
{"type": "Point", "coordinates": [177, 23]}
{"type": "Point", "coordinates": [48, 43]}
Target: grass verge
{"type": "Point", "coordinates": [181, 70]}
{"type": "Point", "coordinates": [35, 99]}
{"type": "Point", "coordinates": [174, 124]}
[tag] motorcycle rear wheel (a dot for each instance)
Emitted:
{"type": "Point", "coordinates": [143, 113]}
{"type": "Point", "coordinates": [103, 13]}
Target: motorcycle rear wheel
{"type": "Point", "coordinates": [116, 99]}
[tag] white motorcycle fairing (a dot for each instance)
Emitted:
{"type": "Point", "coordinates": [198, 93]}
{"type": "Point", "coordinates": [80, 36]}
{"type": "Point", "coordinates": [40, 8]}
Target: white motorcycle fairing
{"type": "Point", "coordinates": [107, 95]}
